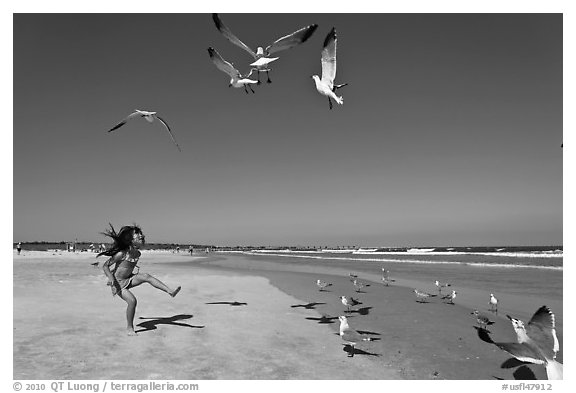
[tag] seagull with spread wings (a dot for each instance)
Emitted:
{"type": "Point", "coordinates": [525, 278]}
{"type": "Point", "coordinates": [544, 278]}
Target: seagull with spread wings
{"type": "Point", "coordinates": [262, 56]}
{"type": "Point", "coordinates": [325, 85]}
{"type": "Point", "coordinates": [236, 79]}
{"type": "Point", "coordinates": [537, 342]}
{"type": "Point", "coordinates": [149, 116]}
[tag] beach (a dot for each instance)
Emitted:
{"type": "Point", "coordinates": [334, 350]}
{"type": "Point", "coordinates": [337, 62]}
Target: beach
{"type": "Point", "coordinates": [262, 317]}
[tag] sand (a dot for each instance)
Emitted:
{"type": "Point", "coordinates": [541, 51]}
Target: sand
{"type": "Point", "coordinates": [249, 318]}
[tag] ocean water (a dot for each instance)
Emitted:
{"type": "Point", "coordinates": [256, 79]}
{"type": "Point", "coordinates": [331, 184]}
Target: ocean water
{"type": "Point", "coordinates": [519, 272]}
{"type": "Point", "coordinates": [526, 257]}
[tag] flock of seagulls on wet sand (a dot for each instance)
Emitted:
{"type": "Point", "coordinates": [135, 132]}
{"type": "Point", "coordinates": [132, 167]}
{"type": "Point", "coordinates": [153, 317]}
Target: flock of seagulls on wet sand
{"type": "Point", "coordinates": [261, 60]}
{"type": "Point", "coordinates": [537, 342]}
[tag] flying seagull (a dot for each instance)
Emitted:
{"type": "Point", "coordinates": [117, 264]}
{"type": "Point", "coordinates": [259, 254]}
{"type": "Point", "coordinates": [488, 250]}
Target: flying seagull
{"type": "Point", "coordinates": [537, 342]}
{"type": "Point", "coordinates": [262, 56]}
{"type": "Point", "coordinates": [237, 80]}
{"type": "Point", "coordinates": [149, 116]}
{"type": "Point", "coordinates": [349, 335]}
{"type": "Point", "coordinates": [325, 85]}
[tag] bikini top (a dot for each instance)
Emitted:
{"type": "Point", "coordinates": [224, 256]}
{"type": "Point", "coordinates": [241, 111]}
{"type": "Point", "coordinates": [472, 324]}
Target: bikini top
{"type": "Point", "coordinates": [130, 258]}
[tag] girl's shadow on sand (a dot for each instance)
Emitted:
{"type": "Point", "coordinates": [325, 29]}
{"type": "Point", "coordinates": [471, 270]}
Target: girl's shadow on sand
{"type": "Point", "coordinates": [154, 322]}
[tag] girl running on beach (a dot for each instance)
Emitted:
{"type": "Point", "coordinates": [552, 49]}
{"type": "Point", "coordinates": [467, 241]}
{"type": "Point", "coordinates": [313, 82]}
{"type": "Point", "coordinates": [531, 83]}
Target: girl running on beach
{"type": "Point", "coordinates": [124, 254]}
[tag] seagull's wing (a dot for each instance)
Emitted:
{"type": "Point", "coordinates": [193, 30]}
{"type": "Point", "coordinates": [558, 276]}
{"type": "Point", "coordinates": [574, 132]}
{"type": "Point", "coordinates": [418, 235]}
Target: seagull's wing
{"type": "Point", "coordinates": [291, 40]}
{"type": "Point", "coordinates": [352, 336]}
{"type": "Point", "coordinates": [230, 36]}
{"type": "Point", "coordinates": [542, 331]}
{"type": "Point", "coordinates": [329, 58]}
{"type": "Point", "coordinates": [132, 115]}
{"type": "Point", "coordinates": [222, 64]}
{"type": "Point", "coordinates": [169, 131]}
{"type": "Point", "coordinates": [523, 352]}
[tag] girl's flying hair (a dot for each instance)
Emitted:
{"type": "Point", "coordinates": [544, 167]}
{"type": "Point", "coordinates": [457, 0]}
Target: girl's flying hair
{"type": "Point", "coordinates": [122, 239]}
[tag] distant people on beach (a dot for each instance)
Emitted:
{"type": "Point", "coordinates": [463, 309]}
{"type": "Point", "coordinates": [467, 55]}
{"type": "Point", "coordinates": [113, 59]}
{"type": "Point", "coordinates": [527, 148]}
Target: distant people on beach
{"type": "Point", "coordinates": [191, 250]}
{"type": "Point", "coordinates": [120, 269]}
{"type": "Point", "coordinates": [19, 247]}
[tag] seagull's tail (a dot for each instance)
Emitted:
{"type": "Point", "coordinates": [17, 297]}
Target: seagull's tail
{"type": "Point", "coordinates": [555, 370]}
{"type": "Point", "coordinates": [339, 100]}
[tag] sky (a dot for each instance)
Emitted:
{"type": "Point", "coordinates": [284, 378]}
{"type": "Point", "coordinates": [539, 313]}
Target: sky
{"type": "Point", "coordinates": [449, 134]}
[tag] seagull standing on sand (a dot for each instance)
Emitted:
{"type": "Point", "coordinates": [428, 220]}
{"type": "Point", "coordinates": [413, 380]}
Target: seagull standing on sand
{"type": "Point", "coordinates": [262, 56]}
{"type": "Point", "coordinates": [537, 342]}
{"type": "Point", "coordinates": [440, 285]}
{"type": "Point", "coordinates": [322, 285]}
{"type": "Point", "coordinates": [149, 116]}
{"type": "Point", "coordinates": [325, 85]}
{"type": "Point", "coordinates": [351, 336]}
{"type": "Point", "coordinates": [386, 277]}
{"type": "Point", "coordinates": [237, 80]}
{"type": "Point", "coordinates": [493, 303]}
{"type": "Point", "coordinates": [349, 302]}
{"type": "Point", "coordinates": [482, 320]}
{"type": "Point", "coordinates": [450, 297]}
{"type": "Point", "coordinates": [358, 285]}
{"type": "Point", "coordinates": [422, 296]}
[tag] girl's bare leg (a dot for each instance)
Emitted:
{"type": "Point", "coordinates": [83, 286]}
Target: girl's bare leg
{"type": "Point", "coordinates": [145, 277]}
{"type": "Point", "coordinates": [130, 299]}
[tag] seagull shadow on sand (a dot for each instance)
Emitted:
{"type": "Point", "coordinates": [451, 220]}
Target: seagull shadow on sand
{"type": "Point", "coordinates": [154, 322]}
{"type": "Point", "coordinates": [233, 304]}
{"type": "Point", "coordinates": [362, 311]}
{"type": "Point", "coordinates": [309, 306]}
{"type": "Point", "coordinates": [370, 333]}
{"type": "Point", "coordinates": [351, 351]}
{"type": "Point", "coordinates": [484, 334]}
{"type": "Point", "coordinates": [324, 319]}
{"type": "Point", "coordinates": [523, 373]}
